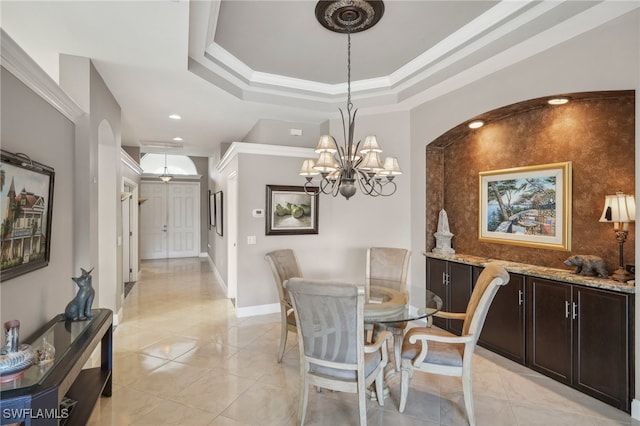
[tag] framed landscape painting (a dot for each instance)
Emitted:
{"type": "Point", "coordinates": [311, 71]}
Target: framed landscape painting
{"type": "Point", "coordinates": [527, 206]}
{"type": "Point", "coordinates": [291, 210]}
{"type": "Point", "coordinates": [26, 204]}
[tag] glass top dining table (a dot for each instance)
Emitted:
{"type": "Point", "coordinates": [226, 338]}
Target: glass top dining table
{"type": "Point", "coordinates": [386, 305]}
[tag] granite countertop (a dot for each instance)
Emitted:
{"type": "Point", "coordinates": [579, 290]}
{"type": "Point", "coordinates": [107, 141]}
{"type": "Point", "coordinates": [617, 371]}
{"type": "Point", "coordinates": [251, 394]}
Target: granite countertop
{"type": "Point", "coordinates": [564, 275]}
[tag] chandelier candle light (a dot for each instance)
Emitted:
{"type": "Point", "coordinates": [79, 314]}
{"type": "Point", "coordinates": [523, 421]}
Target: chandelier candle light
{"type": "Point", "coordinates": [345, 167]}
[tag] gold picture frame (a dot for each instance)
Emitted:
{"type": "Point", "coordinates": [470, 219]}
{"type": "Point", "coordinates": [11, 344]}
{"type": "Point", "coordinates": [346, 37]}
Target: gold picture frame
{"type": "Point", "coordinates": [527, 206]}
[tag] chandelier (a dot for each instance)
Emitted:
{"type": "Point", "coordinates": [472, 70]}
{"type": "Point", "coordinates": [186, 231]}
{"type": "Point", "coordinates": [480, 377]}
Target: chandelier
{"type": "Point", "coordinates": [165, 176]}
{"type": "Point", "coordinates": [344, 168]}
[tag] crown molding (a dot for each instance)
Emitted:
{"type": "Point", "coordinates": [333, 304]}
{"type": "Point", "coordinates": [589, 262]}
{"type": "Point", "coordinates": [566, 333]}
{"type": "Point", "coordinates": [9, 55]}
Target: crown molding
{"type": "Point", "coordinates": [128, 161]}
{"type": "Point", "coordinates": [24, 68]}
{"type": "Point", "coordinates": [238, 148]}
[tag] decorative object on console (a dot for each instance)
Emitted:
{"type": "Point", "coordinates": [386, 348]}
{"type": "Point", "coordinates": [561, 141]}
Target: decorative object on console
{"type": "Point", "coordinates": [620, 209]}
{"type": "Point", "coordinates": [291, 210]}
{"type": "Point", "coordinates": [80, 306]}
{"type": "Point", "coordinates": [443, 235]}
{"type": "Point", "coordinates": [14, 357]}
{"type": "Point", "coordinates": [26, 202]}
{"type": "Point", "coordinates": [342, 168]}
{"type": "Point", "coordinates": [527, 206]}
{"type": "Point", "coordinates": [588, 265]}
{"type": "Point", "coordinates": [45, 352]}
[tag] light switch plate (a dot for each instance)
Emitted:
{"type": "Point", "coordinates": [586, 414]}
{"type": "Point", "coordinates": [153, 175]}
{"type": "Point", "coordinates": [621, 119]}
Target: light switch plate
{"type": "Point", "coordinates": [251, 239]}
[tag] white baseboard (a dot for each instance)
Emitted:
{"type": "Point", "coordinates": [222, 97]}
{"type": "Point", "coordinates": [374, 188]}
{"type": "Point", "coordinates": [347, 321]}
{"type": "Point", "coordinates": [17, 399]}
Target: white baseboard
{"type": "Point", "coordinates": [251, 311]}
{"type": "Point", "coordinates": [216, 273]}
{"type": "Point", "coordinates": [635, 409]}
{"type": "Point", "coordinates": [204, 254]}
{"type": "Point", "coordinates": [117, 316]}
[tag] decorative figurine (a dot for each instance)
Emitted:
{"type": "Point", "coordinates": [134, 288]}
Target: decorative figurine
{"type": "Point", "coordinates": [588, 265]}
{"type": "Point", "coordinates": [80, 306]}
{"type": "Point", "coordinates": [443, 236]}
{"type": "Point", "coordinates": [14, 357]}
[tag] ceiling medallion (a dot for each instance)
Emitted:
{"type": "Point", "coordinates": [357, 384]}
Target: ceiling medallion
{"type": "Point", "coordinates": [352, 16]}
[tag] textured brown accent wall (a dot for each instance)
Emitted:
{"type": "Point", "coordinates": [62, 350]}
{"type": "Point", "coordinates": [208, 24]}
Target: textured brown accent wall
{"type": "Point", "coordinates": [594, 131]}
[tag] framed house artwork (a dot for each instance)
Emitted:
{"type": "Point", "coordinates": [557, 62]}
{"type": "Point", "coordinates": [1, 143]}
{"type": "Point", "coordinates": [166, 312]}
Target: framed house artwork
{"type": "Point", "coordinates": [26, 205]}
{"type": "Point", "coordinates": [527, 206]}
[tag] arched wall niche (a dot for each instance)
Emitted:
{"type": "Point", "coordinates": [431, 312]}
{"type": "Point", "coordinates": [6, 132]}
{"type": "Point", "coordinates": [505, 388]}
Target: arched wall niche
{"type": "Point", "coordinates": [595, 131]}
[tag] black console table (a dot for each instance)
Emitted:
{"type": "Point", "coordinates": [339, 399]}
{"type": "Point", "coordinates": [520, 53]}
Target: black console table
{"type": "Point", "coordinates": [35, 398]}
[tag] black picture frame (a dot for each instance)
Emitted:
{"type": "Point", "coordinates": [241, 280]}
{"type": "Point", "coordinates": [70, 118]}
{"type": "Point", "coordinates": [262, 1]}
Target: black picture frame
{"type": "Point", "coordinates": [291, 210]}
{"type": "Point", "coordinates": [211, 220]}
{"type": "Point", "coordinates": [26, 200]}
{"type": "Point", "coordinates": [219, 209]}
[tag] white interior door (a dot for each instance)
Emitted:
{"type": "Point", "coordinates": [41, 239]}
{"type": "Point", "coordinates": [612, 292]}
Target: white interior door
{"type": "Point", "coordinates": [153, 220]}
{"type": "Point", "coordinates": [126, 239]}
{"type": "Point", "coordinates": [170, 220]}
{"type": "Point", "coordinates": [183, 232]}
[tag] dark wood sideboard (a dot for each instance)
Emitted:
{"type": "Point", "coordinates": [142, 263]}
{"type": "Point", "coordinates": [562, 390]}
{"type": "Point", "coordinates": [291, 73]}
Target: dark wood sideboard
{"type": "Point", "coordinates": [578, 332]}
{"type": "Point", "coordinates": [35, 398]}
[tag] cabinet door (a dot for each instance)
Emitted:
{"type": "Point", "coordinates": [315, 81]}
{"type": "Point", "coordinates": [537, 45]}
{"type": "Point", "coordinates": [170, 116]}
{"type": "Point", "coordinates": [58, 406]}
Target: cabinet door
{"type": "Point", "coordinates": [601, 329]}
{"type": "Point", "coordinates": [504, 328]}
{"type": "Point", "coordinates": [549, 328]}
{"type": "Point", "coordinates": [460, 286]}
{"type": "Point", "coordinates": [436, 282]}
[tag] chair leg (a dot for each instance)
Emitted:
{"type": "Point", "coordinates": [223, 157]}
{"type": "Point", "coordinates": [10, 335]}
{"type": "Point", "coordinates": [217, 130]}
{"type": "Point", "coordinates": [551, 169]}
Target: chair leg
{"type": "Point", "coordinates": [398, 335]}
{"type": "Point", "coordinates": [380, 387]}
{"type": "Point", "coordinates": [302, 402]}
{"type": "Point", "coordinates": [362, 403]}
{"type": "Point", "coordinates": [404, 384]}
{"type": "Point", "coordinates": [467, 392]}
{"type": "Point", "coordinates": [283, 335]}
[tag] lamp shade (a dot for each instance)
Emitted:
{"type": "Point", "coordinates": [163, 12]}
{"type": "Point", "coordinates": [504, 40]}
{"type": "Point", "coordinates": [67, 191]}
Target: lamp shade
{"type": "Point", "coordinates": [326, 163]}
{"type": "Point", "coordinates": [371, 161]}
{"type": "Point", "coordinates": [326, 144]}
{"type": "Point", "coordinates": [391, 167]}
{"type": "Point", "coordinates": [307, 168]}
{"type": "Point", "coordinates": [370, 145]}
{"type": "Point", "coordinates": [619, 208]}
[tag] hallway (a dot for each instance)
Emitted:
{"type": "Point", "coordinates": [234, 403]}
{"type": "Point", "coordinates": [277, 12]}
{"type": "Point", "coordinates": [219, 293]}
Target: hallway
{"type": "Point", "coordinates": [181, 357]}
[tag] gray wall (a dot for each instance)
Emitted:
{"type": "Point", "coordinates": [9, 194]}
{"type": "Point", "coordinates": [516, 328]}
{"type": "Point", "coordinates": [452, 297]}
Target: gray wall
{"type": "Point", "coordinates": [346, 227]}
{"type": "Point", "coordinates": [30, 125]}
{"type": "Point", "coordinates": [275, 132]}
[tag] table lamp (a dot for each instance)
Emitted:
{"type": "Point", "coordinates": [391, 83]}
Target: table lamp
{"type": "Point", "coordinates": [620, 209]}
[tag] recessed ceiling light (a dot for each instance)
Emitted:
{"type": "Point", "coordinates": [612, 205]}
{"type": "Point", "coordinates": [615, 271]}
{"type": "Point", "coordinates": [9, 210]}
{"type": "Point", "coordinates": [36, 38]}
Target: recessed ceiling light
{"type": "Point", "coordinates": [177, 138]}
{"type": "Point", "coordinates": [476, 124]}
{"type": "Point", "coordinates": [175, 117]}
{"type": "Point", "coordinates": [558, 101]}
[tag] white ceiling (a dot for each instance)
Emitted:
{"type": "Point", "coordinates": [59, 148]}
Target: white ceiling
{"type": "Point", "coordinates": [224, 65]}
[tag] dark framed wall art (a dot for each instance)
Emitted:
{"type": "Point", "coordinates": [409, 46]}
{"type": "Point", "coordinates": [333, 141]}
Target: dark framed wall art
{"type": "Point", "coordinates": [26, 205]}
{"type": "Point", "coordinates": [218, 203]}
{"type": "Point", "coordinates": [291, 210]}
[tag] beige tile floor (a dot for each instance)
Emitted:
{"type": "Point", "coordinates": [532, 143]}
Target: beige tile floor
{"type": "Point", "coordinates": [181, 357]}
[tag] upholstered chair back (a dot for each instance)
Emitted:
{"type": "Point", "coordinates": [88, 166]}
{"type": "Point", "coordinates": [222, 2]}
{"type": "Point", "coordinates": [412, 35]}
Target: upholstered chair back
{"type": "Point", "coordinates": [485, 289]}
{"type": "Point", "coordinates": [387, 267]}
{"type": "Point", "coordinates": [330, 317]}
{"type": "Point", "coordinates": [284, 265]}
